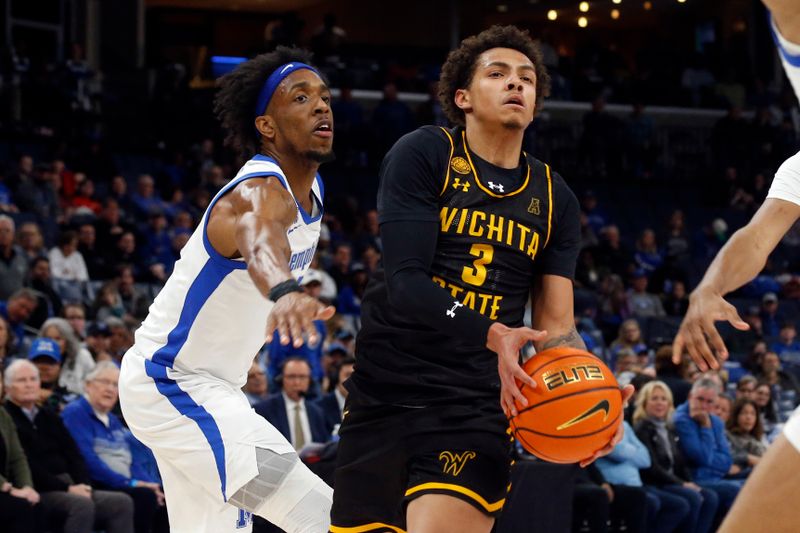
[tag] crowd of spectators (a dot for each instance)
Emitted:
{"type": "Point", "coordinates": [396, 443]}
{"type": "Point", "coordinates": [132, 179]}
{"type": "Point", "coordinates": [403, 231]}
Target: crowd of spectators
{"type": "Point", "coordinates": [90, 230]}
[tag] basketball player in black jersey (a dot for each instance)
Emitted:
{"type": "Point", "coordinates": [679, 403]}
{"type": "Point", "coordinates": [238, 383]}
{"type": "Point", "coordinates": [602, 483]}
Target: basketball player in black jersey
{"type": "Point", "coordinates": [472, 227]}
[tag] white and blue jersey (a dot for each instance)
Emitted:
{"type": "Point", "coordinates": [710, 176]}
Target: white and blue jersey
{"type": "Point", "coordinates": [180, 383]}
{"type": "Point", "coordinates": [210, 317]}
{"type": "Point", "coordinates": [790, 57]}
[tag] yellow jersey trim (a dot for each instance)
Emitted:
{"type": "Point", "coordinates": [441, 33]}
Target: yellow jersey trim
{"type": "Point", "coordinates": [452, 149]}
{"type": "Point", "coordinates": [372, 526]}
{"type": "Point", "coordinates": [549, 203]}
{"type": "Point", "coordinates": [490, 507]}
{"type": "Point", "coordinates": [478, 179]}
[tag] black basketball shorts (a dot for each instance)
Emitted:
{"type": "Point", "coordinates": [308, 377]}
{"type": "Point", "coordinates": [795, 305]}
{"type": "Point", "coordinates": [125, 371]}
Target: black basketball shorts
{"type": "Point", "coordinates": [389, 455]}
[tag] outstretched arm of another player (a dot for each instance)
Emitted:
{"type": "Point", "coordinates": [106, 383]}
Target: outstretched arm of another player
{"type": "Point", "coordinates": [553, 311]}
{"type": "Point", "coordinates": [251, 221]}
{"type": "Point", "coordinates": [739, 261]}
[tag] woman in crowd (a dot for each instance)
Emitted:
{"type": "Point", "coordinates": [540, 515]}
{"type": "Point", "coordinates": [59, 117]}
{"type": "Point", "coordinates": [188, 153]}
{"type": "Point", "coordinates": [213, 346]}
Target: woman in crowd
{"type": "Point", "coordinates": [76, 361]}
{"type": "Point", "coordinates": [668, 471]}
{"type": "Point", "coordinates": [746, 434]}
{"type": "Point", "coordinates": [630, 338]}
{"type": "Point", "coordinates": [762, 396]}
{"type": "Point", "coordinates": [108, 302]}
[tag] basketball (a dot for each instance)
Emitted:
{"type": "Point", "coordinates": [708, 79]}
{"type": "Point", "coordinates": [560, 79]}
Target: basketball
{"type": "Point", "coordinates": [573, 411]}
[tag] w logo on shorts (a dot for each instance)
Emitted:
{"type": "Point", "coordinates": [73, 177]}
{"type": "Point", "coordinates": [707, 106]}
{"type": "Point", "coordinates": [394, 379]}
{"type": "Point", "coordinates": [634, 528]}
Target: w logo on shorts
{"type": "Point", "coordinates": [454, 462]}
{"type": "Point", "coordinates": [244, 520]}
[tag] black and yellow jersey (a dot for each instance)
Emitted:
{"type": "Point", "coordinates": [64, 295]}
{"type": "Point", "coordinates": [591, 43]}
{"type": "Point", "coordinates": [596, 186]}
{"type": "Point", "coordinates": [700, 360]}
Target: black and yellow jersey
{"type": "Point", "coordinates": [496, 230]}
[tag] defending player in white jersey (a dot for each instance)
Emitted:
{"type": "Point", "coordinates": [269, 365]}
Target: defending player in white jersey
{"type": "Point", "coordinates": [768, 500]}
{"type": "Point", "coordinates": [236, 283]}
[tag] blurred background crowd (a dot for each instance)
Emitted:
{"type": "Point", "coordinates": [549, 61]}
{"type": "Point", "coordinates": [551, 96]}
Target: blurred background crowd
{"type": "Point", "coordinates": [668, 132]}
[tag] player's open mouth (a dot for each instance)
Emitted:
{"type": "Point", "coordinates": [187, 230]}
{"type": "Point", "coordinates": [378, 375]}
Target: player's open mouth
{"type": "Point", "coordinates": [515, 101]}
{"type": "Point", "coordinates": [324, 128]}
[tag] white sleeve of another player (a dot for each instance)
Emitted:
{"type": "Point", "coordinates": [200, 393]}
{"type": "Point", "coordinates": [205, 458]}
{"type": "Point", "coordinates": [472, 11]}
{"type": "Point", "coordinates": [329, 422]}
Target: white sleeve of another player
{"type": "Point", "coordinates": [786, 185]}
{"type": "Point", "coordinates": [790, 56]}
{"type": "Point", "coordinates": [792, 429]}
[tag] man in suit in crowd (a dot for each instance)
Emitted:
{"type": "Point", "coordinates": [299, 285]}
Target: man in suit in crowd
{"type": "Point", "coordinates": [299, 421]}
{"type": "Point", "coordinates": [332, 404]}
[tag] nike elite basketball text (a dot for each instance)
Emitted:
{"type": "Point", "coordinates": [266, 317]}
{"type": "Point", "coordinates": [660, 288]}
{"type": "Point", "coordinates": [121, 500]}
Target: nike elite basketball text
{"type": "Point", "coordinates": [574, 410]}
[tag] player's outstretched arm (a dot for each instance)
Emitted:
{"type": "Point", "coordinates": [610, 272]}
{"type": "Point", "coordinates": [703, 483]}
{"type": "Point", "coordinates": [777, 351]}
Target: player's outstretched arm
{"type": "Point", "coordinates": [739, 261]}
{"type": "Point", "coordinates": [786, 14]}
{"type": "Point", "coordinates": [251, 221]}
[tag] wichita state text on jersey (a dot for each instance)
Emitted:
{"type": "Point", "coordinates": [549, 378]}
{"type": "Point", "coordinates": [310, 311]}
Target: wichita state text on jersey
{"type": "Point", "coordinates": [497, 230]}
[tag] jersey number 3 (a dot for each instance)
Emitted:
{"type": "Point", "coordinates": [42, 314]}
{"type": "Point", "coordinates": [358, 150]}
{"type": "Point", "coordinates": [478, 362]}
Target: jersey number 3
{"type": "Point", "coordinates": [475, 274]}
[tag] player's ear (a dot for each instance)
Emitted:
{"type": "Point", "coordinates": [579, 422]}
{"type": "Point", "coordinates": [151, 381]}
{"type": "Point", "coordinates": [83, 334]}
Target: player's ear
{"type": "Point", "coordinates": [462, 100]}
{"type": "Point", "coordinates": [265, 125]}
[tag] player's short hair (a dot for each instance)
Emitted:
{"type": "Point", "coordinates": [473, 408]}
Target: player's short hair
{"type": "Point", "coordinates": [236, 99]}
{"type": "Point", "coordinates": [459, 67]}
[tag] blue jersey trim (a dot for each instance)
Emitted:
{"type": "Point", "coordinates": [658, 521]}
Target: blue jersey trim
{"type": "Point", "coordinates": [204, 285]}
{"type": "Point", "coordinates": [793, 60]}
{"type": "Point", "coordinates": [210, 250]}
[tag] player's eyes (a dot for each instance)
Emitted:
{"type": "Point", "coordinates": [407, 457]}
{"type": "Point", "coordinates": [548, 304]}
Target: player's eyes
{"type": "Point", "coordinates": [495, 74]}
{"type": "Point", "coordinates": [326, 99]}
{"type": "Point", "coordinates": [300, 98]}
{"type": "Point", "coordinates": [527, 79]}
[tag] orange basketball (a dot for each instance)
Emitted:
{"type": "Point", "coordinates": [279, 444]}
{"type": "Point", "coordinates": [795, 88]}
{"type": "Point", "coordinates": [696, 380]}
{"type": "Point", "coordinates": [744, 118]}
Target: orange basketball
{"type": "Point", "coordinates": [573, 411]}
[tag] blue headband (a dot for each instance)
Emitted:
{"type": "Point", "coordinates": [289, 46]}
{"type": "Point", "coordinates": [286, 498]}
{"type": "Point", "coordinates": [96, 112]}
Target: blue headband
{"type": "Point", "coordinates": [274, 80]}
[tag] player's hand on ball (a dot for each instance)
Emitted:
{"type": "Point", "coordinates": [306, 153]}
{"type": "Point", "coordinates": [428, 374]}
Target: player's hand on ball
{"type": "Point", "coordinates": [293, 317]}
{"type": "Point", "coordinates": [506, 343]}
{"type": "Point", "coordinates": [697, 330]}
{"type": "Point", "coordinates": [627, 392]}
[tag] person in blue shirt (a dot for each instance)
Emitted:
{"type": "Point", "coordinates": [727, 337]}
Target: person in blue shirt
{"type": "Point", "coordinates": [621, 467]}
{"type": "Point", "coordinates": [788, 347]}
{"type": "Point", "coordinates": [702, 440]}
{"type": "Point", "coordinates": [114, 459]}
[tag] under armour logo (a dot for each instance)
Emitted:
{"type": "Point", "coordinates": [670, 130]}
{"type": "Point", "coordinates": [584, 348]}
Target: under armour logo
{"type": "Point", "coordinates": [496, 186]}
{"type": "Point", "coordinates": [454, 462]}
{"type": "Point", "coordinates": [458, 185]}
{"type": "Point", "coordinates": [452, 311]}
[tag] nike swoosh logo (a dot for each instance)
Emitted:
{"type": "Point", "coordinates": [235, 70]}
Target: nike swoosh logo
{"type": "Point", "coordinates": [602, 406]}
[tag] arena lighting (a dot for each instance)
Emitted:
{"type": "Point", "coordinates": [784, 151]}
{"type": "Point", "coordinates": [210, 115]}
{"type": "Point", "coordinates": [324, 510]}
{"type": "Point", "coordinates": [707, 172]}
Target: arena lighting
{"type": "Point", "coordinates": [552, 14]}
{"type": "Point", "coordinates": [502, 8]}
{"type": "Point", "coordinates": [681, 1]}
{"type": "Point", "coordinates": [648, 5]}
{"type": "Point", "coordinates": [616, 1]}
{"type": "Point", "coordinates": [584, 7]}
{"type": "Point", "coordinates": [582, 22]}
{"type": "Point", "coordinates": [615, 14]}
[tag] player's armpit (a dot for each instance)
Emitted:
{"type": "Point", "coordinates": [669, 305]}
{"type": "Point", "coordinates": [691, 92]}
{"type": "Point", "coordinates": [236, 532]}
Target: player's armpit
{"type": "Point", "coordinates": [552, 310]}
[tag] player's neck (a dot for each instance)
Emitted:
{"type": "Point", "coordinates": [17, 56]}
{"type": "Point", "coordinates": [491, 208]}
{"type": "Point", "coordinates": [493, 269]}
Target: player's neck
{"type": "Point", "coordinates": [497, 144]}
{"type": "Point", "coordinates": [300, 172]}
